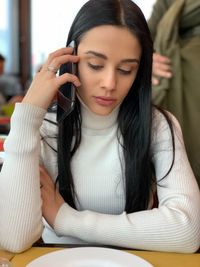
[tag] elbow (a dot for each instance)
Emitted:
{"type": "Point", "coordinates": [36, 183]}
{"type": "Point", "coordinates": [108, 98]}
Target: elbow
{"type": "Point", "coordinates": [188, 240]}
{"type": "Point", "coordinates": [191, 243]}
{"type": "Point", "coordinates": [188, 247]}
{"type": "Point", "coordinates": [184, 234]}
{"type": "Point", "coordinates": [18, 246]}
{"type": "Point", "coordinates": [19, 243]}
{"type": "Point", "coordinates": [183, 230]}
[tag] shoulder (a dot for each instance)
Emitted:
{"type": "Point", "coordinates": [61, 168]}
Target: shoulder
{"type": "Point", "coordinates": [168, 152]}
{"type": "Point", "coordinates": [163, 119]}
{"type": "Point", "coordinates": [165, 128]}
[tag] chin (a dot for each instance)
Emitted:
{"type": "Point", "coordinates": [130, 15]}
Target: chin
{"type": "Point", "coordinates": [101, 111]}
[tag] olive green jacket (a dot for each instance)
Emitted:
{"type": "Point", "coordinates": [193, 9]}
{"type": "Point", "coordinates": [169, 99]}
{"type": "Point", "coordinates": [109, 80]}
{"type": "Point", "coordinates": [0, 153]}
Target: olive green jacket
{"type": "Point", "coordinates": [175, 28]}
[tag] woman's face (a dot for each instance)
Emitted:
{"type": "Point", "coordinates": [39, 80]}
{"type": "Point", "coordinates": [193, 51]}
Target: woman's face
{"type": "Point", "coordinates": [109, 61]}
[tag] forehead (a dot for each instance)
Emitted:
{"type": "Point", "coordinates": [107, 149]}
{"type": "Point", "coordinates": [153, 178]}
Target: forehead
{"type": "Point", "coordinates": [111, 40]}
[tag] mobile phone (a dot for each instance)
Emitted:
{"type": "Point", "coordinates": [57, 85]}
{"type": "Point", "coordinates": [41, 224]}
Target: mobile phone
{"type": "Point", "coordinates": [67, 92]}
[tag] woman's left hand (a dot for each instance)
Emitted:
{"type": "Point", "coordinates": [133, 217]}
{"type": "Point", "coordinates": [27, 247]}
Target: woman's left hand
{"type": "Point", "coordinates": [51, 198]}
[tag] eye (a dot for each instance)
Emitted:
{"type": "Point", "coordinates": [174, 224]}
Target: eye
{"type": "Point", "coordinates": [124, 72]}
{"type": "Point", "coordinates": [95, 66]}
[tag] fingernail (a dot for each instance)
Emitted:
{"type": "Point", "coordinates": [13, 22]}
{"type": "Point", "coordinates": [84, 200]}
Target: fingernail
{"type": "Point", "coordinates": [77, 83]}
{"type": "Point", "coordinates": [155, 82]}
{"type": "Point", "coordinates": [169, 75]}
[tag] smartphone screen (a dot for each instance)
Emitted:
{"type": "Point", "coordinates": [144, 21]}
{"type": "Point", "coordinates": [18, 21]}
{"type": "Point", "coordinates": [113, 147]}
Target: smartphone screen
{"type": "Point", "coordinates": [67, 92]}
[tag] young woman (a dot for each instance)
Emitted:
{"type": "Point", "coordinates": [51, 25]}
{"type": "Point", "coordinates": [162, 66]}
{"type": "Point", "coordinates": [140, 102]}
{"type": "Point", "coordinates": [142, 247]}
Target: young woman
{"type": "Point", "coordinates": [109, 158]}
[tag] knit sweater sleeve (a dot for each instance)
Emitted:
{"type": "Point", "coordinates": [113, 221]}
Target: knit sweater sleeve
{"type": "Point", "coordinates": [20, 200]}
{"type": "Point", "coordinates": [173, 226]}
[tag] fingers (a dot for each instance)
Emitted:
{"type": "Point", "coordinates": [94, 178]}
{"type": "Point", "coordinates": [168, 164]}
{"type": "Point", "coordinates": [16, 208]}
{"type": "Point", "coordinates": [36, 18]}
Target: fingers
{"type": "Point", "coordinates": [161, 68]}
{"type": "Point", "coordinates": [45, 179]}
{"type": "Point", "coordinates": [51, 198]}
{"type": "Point", "coordinates": [47, 186]}
{"type": "Point", "coordinates": [57, 61]}
{"type": "Point", "coordinates": [160, 58]}
{"type": "Point", "coordinates": [58, 53]}
{"type": "Point", "coordinates": [162, 71]}
{"type": "Point", "coordinates": [155, 81]}
{"type": "Point", "coordinates": [65, 51]}
{"type": "Point", "coordinates": [46, 83]}
{"type": "Point", "coordinates": [67, 77]}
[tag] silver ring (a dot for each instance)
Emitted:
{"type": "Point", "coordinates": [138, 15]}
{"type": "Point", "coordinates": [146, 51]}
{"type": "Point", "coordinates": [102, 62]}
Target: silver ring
{"type": "Point", "coordinates": [52, 69]}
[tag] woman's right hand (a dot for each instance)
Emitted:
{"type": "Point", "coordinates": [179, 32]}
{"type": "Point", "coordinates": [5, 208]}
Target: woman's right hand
{"type": "Point", "coordinates": [45, 84]}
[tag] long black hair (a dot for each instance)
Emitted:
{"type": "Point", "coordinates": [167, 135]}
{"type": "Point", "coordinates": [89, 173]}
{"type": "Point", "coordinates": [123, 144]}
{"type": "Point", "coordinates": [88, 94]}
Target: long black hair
{"type": "Point", "coordinates": [135, 115]}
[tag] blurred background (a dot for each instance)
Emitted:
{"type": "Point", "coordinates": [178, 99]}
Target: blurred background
{"type": "Point", "coordinates": [31, 29]}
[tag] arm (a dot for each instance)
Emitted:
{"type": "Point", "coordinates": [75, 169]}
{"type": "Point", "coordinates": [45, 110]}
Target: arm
{"type": "Point", "coordinates": [173, 226]}
{"type": "Point", "coordinates": [20, 196]}
{"type": "Point", "coordinates": [20, 201]}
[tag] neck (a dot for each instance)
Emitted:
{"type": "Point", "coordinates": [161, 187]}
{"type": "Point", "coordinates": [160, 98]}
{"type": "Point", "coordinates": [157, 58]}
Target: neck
{"type": "Point", "coordinates": [90, 120]}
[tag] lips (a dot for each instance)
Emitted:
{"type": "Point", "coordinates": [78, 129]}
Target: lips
{"type": "Point", "coordinates": [105, 101]}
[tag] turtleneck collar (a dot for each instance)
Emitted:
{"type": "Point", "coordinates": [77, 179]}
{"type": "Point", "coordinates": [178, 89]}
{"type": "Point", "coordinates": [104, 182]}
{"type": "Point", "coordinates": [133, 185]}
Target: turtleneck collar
{"type": "Point", "coordinates": [97, 123]}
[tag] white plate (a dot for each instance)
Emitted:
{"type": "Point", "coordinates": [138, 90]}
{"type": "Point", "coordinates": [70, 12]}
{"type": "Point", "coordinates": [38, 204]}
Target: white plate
{"type": "Point", "coordinates": [89, 257]}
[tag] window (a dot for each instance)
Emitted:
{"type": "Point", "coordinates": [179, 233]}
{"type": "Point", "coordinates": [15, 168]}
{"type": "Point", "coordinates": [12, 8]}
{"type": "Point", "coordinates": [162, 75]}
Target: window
{"type": "Point", "coordinates": [9, 34]}
{"type": "Point", "coordinates": [146, 6]}
{"type": "Point", "coordinates": [51, 20]}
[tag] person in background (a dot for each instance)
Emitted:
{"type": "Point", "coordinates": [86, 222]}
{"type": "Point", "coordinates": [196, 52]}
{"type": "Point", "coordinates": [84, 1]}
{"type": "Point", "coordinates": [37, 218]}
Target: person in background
{"type": "Point", "coordinates": [92, 177]}
{"type": "Point", "coordinates": [9, 84]}
{"type": "Point", "coordinates": [2, 62]}
{"type": "Point", "coordinates": [19, 98]}
{"type": "Point", "coordinates": [175, 28]}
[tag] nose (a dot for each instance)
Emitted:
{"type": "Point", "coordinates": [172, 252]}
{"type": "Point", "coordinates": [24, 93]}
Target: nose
{"type": "Point", "coordinates": [109, 80]}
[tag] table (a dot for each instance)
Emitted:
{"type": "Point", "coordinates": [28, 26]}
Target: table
{"type": "Point", "coordinates": [157, 259]}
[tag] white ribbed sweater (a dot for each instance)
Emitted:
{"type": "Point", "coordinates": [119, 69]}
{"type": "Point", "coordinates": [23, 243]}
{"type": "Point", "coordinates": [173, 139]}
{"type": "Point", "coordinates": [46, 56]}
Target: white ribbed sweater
{"type": "Point", "coordinates": [100, 217]}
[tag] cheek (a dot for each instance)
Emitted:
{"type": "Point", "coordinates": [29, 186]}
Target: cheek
{"type": "Point", "coordinates": [129, 82]}
{"type": "Point", "coordinates": [86, 84]}
{"type": "Point", "coordinates": [126, 86]}
{"type": "Point", "coordinates": [83, 74]}
{"type": "Point", "coordinates": [84, 89]}
{"type": "Point", "coordinates": [87, 78]}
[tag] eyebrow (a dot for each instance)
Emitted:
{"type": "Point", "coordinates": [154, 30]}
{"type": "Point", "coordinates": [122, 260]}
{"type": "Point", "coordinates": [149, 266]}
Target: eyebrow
{"type": "Point", "coordinates": [128, 60]}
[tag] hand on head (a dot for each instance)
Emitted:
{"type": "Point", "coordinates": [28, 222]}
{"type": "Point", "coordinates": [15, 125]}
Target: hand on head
{"type": "Point", "coordinates": [46, 84]}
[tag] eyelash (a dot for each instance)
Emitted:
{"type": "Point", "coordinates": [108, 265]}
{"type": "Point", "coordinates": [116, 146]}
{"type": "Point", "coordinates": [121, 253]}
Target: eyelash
{"type": "Point", "coordinates": [95, 67]}
{"type": "Point", "coordinates": [98, 67]}
{"type": "Point", "coordinates": [125, 72]}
